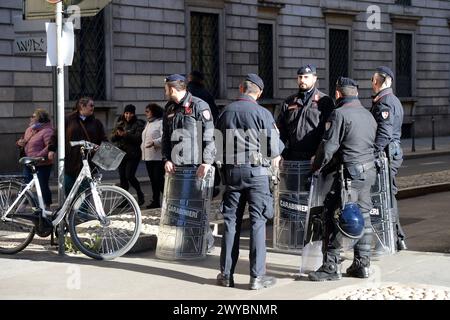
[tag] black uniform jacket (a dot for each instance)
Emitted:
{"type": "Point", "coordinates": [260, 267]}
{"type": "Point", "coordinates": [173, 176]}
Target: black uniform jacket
{"type": "Point", "coordinates": [302, 124]}
{"type": "Point", "coordinates": [183, 123]}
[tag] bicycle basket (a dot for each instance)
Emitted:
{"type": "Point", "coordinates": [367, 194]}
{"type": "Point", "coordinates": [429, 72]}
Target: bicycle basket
{"type": "Point", "coordinates": [108, 157]}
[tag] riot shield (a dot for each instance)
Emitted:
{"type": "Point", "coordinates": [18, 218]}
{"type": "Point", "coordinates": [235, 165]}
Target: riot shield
{"type": "Point", "coordinates": [381, 215]}
{"type": "Point", "coordinates": [184, 224]}
{"type": "Point", "coordinates": [312, 254]}
{"type": "Point", "coordinates": [291, 197]}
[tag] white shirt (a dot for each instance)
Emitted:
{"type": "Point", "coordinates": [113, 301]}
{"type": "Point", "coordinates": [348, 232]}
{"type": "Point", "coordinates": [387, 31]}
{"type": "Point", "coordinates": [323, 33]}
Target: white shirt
{"type": "Point", "coordinates": [152, 132]}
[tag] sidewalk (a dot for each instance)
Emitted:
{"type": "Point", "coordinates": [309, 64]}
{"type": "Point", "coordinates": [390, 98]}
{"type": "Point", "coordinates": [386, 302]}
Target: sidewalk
{"type": "Point", "coordinates": [42, 274]}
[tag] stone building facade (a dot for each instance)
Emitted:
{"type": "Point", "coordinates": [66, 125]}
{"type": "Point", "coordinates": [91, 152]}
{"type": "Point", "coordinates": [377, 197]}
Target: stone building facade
{"type": "Point", "coordinates": [124, 53]}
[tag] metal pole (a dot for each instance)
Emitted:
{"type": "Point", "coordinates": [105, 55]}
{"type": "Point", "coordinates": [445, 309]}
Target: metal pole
{"type": "Point", "coordinates": [60, 117]}
{"type": "Point", "coordinates": [413, 136]}
{"type": "Point", "coordinates": [433, 145]}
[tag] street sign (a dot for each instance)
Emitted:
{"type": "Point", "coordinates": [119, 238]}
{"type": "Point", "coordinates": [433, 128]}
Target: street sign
{"type": "Point", "coordinates": [41, 9]}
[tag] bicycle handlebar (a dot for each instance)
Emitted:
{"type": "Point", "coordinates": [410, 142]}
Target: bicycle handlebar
{"type": "Point", "coordinates": [86, 144]}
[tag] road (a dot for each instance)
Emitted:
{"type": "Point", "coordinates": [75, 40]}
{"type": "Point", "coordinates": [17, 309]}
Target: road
{"type": "Point", "coordinates": [424, 165]}
{"type": "Point", "coordinates": [426, 222]}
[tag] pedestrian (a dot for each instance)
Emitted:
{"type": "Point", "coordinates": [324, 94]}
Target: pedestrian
{"type": "Point", "coordinates": [35, 143]}
{"type": "Point", "coordinates": [388, 113]}
{"type": "Point", "coordinates": [151, 151]}
{"type": "Point", "coordinates": [127, 136]}
{"type": "Point", "coordinates": [80, 124]}
{"type": "Point", "coordinates": [197, 88]}
{"type": "Point", "coordinates": [350, 135]}
{"type": "Point", "coordinates": [303, 115]}
{"type": "Point", "coordinates": [247, 178]}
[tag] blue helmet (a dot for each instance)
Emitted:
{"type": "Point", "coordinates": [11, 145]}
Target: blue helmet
{"type": "Point", "coordinates": [350, 221]}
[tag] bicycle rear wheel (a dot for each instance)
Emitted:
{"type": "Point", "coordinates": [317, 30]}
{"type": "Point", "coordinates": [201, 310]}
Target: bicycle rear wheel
{"type": "Point", "coordinates": [113, 237]}
{"type": "Point", "coordinates": [15, 235]}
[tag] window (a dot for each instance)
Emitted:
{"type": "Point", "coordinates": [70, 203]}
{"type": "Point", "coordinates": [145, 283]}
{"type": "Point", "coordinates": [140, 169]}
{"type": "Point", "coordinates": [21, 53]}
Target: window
{"type": "Point", "coordinates": [338, 56]}
{"type": "Point", "coordinates": [265, 58]}
{"type": "Point", "coordinates": [403, 64]}
{"type": "Point", "coordinates": [87, 75]}
{"type": "Point", "coordinates": [205, 49]}
{"type": "Point", "coordinates": [403, 2]}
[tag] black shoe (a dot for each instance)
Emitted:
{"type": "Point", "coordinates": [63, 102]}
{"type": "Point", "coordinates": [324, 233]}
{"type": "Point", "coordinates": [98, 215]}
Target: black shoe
{"type": "Point", "coordinates": [153, 205]}
{"type": "Point", "coordinates": [401, 245]}
{"type": "Point", "coordinates": [328, 271]}
{"type": "Point", "coordinates": [225, 280]}
{"type": "Point", "coordinates": [359, 268]}
{"type": "Point", "coordinates": [261, 282]}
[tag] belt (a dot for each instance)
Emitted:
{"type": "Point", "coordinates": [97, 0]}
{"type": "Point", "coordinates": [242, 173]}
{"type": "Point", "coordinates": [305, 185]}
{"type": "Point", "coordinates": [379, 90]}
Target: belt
{"type": "Point", "coordinates": [244, 165]}
{"type": "Point", "coordinates": [363, 167]}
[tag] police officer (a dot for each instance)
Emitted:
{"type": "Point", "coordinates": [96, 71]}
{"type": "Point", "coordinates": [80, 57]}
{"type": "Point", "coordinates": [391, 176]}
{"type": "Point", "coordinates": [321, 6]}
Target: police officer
{"type": "Point", "coordinates": [184, 113]}
{"type": "Point", "coordinates": [302, 117]}
{"type": "Point", "coordinates": [388, 113]}
{"type": "Point", "coordinates": [350, 134]}
{"type": "Point", "coordinates": [197, 88]}
{"type": "Point", "coordinates": [246, 175]}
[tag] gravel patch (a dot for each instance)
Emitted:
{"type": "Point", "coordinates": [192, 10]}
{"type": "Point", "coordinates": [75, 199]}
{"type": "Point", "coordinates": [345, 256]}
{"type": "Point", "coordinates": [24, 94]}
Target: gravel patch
{"type": "Point", "coordinates": [394, 292]}
{"type": "Point", "coordinates": [423, 179]}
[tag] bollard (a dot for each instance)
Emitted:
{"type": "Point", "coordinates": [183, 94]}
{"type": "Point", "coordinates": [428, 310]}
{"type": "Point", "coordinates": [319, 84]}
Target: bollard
{"type": "Point", "coordinates": [413, 133]}
{"type": "Point", "coordinates": [433, 145]}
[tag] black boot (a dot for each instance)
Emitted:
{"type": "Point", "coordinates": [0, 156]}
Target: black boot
{"type": "Point", "coordinates": [330, 270]}
{"type": "Point", "coordinates": [359, 268]}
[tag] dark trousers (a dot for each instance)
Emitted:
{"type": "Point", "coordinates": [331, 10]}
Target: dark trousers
{"type": "Point", "coordinates": [43, 173]}
{"type": "Point", "coordinates": [155, 169]}
{"type": "Point", "coordinates": [242, 186]}
{"type": "Point", "coordinates": [127, 174]}
{"type": "Point", "coordinates": [360, 193]}
{"type": "Point", "coordinates": [394, 165]}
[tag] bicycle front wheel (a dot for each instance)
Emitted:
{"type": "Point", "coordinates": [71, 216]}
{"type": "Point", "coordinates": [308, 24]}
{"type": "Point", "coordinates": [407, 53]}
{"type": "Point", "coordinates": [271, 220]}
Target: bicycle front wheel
{"type": "Point", "coordinates": [111, 237]}
{"type": "Point", "coordinates": [15, 230]}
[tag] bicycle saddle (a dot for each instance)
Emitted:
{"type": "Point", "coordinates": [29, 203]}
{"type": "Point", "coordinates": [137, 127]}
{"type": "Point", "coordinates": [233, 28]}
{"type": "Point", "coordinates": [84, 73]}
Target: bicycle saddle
{"type": "Point", "coordinates": [31, 160]}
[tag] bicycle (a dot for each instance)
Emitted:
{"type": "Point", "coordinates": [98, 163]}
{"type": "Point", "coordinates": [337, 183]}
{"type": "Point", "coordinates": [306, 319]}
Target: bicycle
{"type": "Point", "coordinates": [104, 221]}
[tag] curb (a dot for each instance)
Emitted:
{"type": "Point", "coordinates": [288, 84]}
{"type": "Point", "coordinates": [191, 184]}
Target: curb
{"type": "Point", "coordinates": [425, 154]}
{"type": "Point", "coordinates": [423, 190]}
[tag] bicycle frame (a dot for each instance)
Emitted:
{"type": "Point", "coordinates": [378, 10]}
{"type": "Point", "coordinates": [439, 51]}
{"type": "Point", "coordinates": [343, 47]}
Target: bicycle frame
{"type": "Point", "coordinates": [84, 173]}
{"type": "Point", "coordinates": [28, 187]}
{"type": "Point", "coordinates": [61, 213]}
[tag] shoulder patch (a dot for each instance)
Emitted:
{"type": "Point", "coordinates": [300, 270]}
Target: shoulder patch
{"type": "Point", "coordinates": [206, 114]}
{"type": "Point", "coordinates": [385, 114]}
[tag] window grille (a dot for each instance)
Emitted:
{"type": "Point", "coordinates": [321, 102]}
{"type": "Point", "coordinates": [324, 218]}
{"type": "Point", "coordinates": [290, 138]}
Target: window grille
{"type": "Point", "coordinates": [87, 74]}
{"type": "Point", "coordinates": [403, 2]}
{"type": "Point", "coordinates": [403, 65]}
{"type": "Point", "coordinates": [265, 58]}
{"type": "Point", "coordinates": [338, 56]}
{"type": "Point", "coordinates": [205, 49]}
